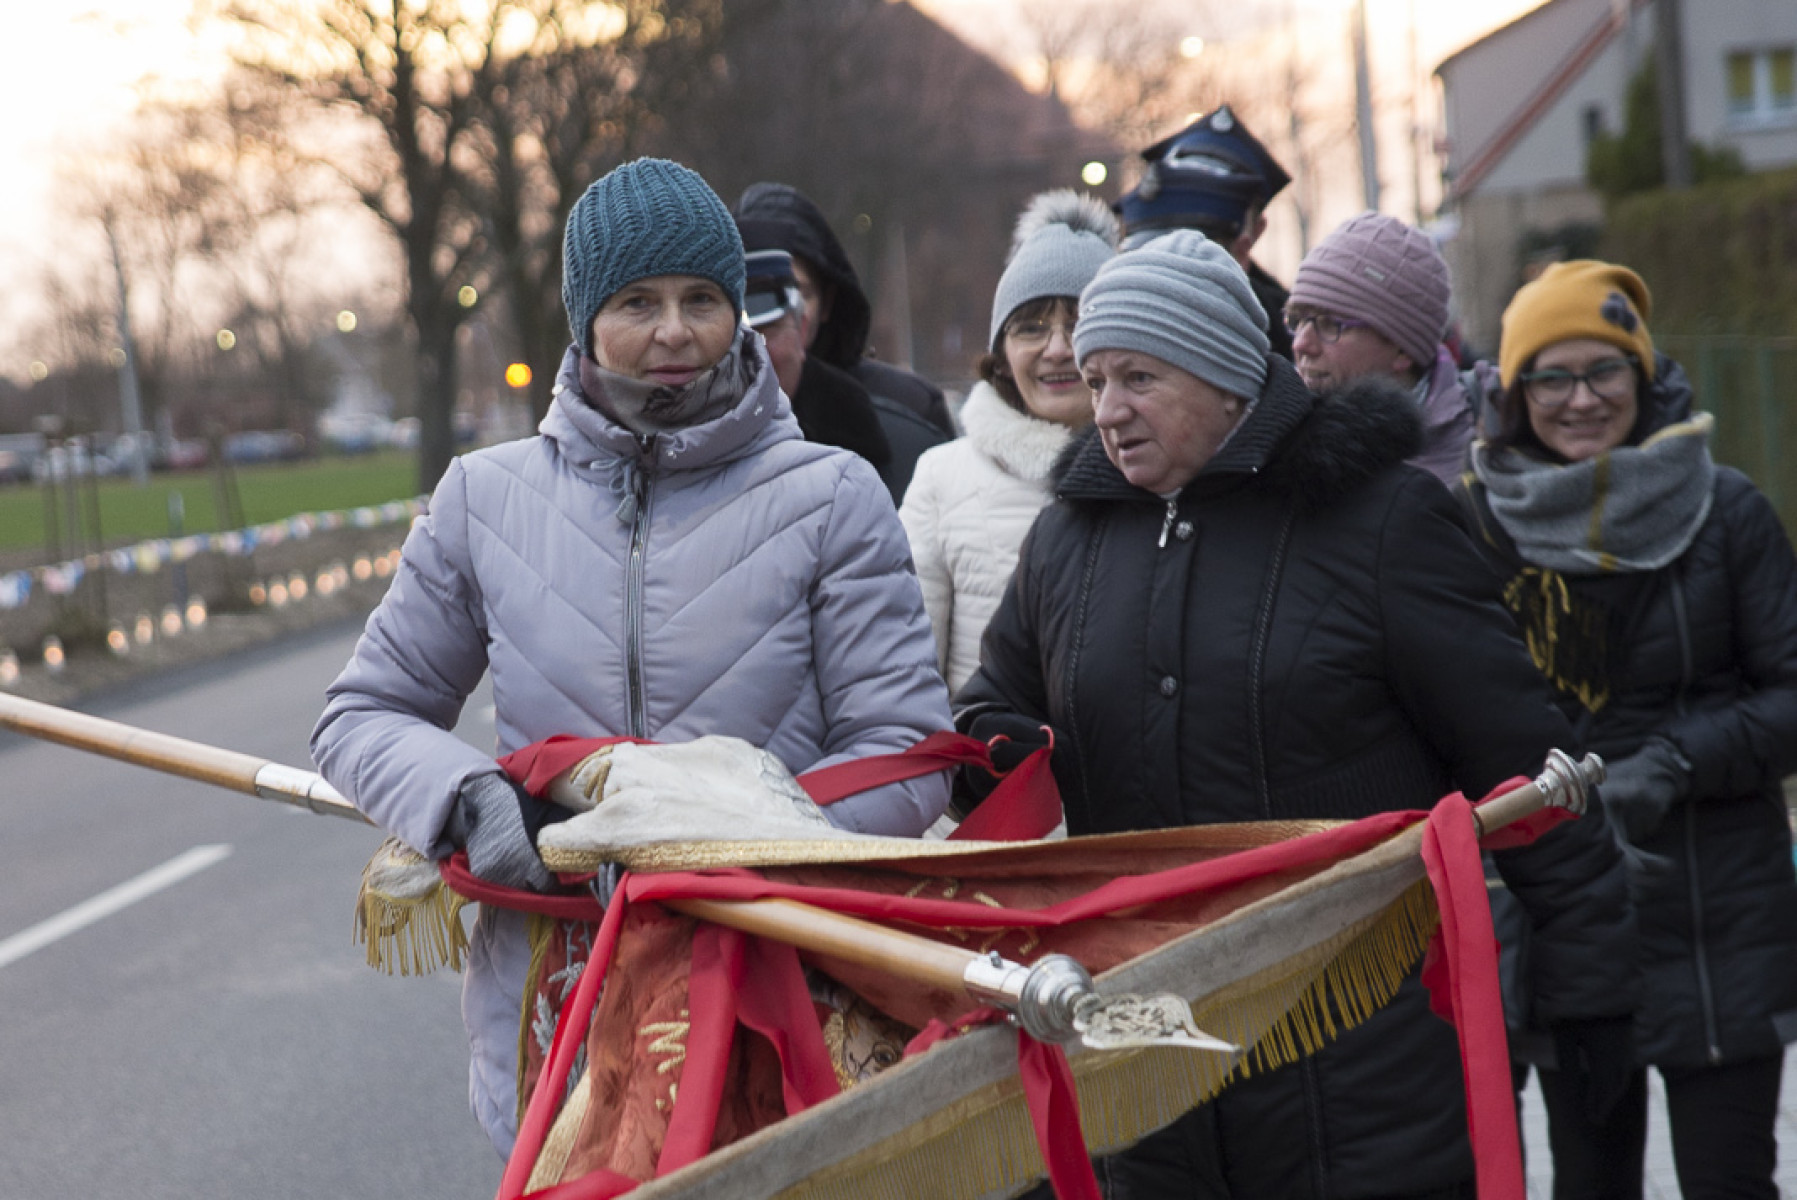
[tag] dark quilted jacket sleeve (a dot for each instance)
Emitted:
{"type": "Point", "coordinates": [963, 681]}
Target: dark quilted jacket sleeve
{"type": "Point", "coordinates": [1748, 745]}
{"type": "Point", "coordinates": [1467, 682]}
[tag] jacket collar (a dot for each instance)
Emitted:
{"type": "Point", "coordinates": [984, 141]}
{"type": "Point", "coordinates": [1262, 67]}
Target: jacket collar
{"type": "Point", "coordinates": [1085, 472]}
{"type": "Point", "coordinates": [1317, 448]}
{"type": "Point", "coordinates": [584, 434]}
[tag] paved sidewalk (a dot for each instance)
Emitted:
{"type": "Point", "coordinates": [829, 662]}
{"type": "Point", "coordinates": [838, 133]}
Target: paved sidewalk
{"type": "Point", "coordinates": [1662, 1181]}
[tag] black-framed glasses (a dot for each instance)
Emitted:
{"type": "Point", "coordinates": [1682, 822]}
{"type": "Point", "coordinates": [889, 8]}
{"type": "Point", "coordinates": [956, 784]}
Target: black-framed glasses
{"type": "Point", "coordinates": [1608, 379]}
{"type": "Point", "coordinates": [1033, 334]}
{"type": "Point", "coordinates": [1329, 327]}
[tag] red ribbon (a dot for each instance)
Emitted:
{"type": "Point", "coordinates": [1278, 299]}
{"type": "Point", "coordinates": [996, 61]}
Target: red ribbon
{"type": "Point", "coordinates": [1468, 971]}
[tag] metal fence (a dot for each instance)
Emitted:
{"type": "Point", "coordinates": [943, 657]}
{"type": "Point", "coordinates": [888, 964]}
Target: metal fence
{"type": "Point", "coordinates": [1750, 384]}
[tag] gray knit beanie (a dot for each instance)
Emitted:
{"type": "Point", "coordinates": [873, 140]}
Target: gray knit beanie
{"type": "Point", "coordinates": [1183, 299]}
{"type": "Point", "coordinates": [1379, 270]}
{"type": "Point", "coordinates": [1061, 240]}
{"type": "Point", "coordinates": [648, 217]}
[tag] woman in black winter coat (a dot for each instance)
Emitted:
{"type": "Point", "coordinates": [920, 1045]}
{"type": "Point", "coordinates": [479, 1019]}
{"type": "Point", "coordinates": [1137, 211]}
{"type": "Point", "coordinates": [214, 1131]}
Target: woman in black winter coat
{"type": "Point", "coordinates": [1658, 593]}
{"type": "Point", "coordinates": [1243, 606]}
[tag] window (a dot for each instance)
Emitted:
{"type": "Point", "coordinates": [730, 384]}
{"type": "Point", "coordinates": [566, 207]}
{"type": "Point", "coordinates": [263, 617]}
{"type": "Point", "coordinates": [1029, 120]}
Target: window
{"type": "Point", "coordinates": [1762, 83]}
{"type": "Point", "coordinates": [1591, 119]}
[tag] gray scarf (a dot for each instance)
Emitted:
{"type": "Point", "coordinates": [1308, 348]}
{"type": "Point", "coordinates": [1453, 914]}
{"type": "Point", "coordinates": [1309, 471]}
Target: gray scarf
{"type": "Point", "coordinates": [644, 407]}
{"type": "Point", "coordinates": [1634, 508]}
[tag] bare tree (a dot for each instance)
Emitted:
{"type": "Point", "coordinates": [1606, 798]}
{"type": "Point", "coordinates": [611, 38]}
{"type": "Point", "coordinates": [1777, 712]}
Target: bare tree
{"type": "Point", "coordinates": [469, 174]}
{"type": "Point", "coordinates": [919, 150]}
{"type": "Point", "coordinates": [1129, 71]}
{"type": "Point", "coordinates": [158, 202]}
{"type": "Point", "coordinates": [402, 75]}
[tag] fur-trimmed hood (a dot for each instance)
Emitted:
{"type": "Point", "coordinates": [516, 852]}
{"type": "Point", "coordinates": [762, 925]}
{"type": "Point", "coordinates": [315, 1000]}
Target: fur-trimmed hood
{"type": "Point", "coordinates": [1320, 448]}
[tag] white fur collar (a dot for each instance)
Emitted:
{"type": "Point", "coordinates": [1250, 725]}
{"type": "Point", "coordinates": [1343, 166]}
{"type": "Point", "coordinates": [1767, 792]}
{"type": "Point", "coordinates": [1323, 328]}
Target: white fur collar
{"type": "Point", "coordinates": [1020, 444]}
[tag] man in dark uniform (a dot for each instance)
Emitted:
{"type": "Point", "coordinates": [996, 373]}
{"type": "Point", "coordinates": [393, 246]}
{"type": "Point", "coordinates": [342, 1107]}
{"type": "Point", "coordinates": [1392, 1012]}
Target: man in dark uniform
{"type": "Point", "coordinates": [1215, 177]}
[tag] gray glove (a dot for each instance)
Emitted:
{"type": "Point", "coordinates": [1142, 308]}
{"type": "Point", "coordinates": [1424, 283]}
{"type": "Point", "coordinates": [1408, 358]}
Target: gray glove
{"type": "Point", "coordinates": [492, 821]}
{"type": "Point", "coordinates": [1638, 790]}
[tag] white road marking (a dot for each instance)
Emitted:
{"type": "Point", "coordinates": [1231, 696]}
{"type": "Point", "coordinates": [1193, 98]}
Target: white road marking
{"type": "Point", "coordinates": [110, 901]}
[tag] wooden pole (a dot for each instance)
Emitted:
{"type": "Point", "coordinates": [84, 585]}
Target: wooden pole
{"type": "Point", "coordinates": [174, 756]}
{"type": "Point", "coordinates": [907, 955]}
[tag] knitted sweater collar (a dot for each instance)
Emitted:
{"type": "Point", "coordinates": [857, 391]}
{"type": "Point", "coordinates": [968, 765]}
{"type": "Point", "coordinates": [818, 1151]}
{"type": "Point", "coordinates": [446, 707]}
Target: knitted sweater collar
{"type": "Point", "coordinates": [1634, 508]}
{"type": "Point", "coordinates": [1022, 445]}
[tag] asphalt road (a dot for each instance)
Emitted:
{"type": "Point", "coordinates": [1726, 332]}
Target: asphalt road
{"type": "Point", "coordinates": [219, 1036]}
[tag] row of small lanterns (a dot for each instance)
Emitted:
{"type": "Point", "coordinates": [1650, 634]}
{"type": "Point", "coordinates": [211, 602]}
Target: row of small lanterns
{"type": "Point", "coordinates": [274, 592]}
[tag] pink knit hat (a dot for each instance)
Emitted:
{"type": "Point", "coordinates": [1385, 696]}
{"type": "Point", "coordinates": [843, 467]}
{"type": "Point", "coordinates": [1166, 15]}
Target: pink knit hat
{"type": "Point", "coordinates": [1377, 269]}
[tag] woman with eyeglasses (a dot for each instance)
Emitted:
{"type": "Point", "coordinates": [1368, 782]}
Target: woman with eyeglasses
{"type": "Point", "coordinates": [1658, 593]}
{"type": "Point", "coordinates": [972, 500]}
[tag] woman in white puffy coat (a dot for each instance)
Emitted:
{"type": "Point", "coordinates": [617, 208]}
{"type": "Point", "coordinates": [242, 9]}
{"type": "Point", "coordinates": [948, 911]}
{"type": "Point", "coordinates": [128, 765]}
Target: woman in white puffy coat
{"type": "Point", "coordinates": [972, 501]}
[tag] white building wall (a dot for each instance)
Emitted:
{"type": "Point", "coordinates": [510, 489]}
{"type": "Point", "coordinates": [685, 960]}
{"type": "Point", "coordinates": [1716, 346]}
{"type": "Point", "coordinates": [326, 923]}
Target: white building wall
{"type": "Point", "coordinates": [1714, 29]}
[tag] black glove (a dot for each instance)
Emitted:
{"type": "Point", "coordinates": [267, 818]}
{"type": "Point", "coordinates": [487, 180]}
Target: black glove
{"type": "Point", "coordinates": [497, 823]}
{"type": "Point", "coordinates": [1023, 737]}
{"type": "Point", "coordinates": [1597, 1059]}
{"type": "Point", "coordinates": [1638, 790]}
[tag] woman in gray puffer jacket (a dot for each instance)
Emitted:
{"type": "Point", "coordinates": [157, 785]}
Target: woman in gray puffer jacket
{"type": "Point", "coordinates": [667, 560]}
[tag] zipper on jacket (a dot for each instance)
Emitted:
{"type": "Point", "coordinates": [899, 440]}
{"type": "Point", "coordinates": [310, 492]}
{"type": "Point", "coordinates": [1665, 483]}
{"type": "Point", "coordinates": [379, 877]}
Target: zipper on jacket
{"type": "Point", "coordinates": [1257, 660]}
{"type": "Point", "coordinates": [633, 591]}
{"type": "Point", "coordinates": [1700, 952]}
{"type": "Point", "coordinates": [1313, 1112]}
{"type": "Point", "coordinates": [1167, 521]}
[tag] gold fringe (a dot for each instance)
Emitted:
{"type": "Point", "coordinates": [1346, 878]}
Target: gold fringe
{"type": "Point", "coordinates": [539, 930]}
{"type": "Point", "coordinates": [559, 1145]}
{"type": "Point", "coordinates": [985, 1145]}
{"type": "Point", "coordinates": [416, 928]}
{"type": "Point", "coordinates": [1566, 636]}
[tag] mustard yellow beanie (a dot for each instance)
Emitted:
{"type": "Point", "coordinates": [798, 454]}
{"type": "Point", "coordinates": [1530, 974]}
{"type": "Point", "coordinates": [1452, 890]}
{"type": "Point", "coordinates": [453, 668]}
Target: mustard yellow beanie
{"type": "Point", "coordinates": [1580, 299]}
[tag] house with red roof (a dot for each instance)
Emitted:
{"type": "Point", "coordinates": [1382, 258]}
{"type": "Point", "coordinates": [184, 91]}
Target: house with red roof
{"type": "Point", "coordinates": [1522, 105]}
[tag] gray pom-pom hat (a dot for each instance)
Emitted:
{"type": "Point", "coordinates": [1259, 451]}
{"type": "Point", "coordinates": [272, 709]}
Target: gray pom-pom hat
{"type": "Point", "coordinates": [1061, 240]}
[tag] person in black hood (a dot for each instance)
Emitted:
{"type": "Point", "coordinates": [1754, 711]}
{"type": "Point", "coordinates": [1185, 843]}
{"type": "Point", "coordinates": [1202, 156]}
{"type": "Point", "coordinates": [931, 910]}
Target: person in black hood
{"type": "Point", "coordinates": [1244, 606]}
{"type": "Point", "coordinates": [912, 412]}
{"type": "Point", "coordinates": [831, 407]}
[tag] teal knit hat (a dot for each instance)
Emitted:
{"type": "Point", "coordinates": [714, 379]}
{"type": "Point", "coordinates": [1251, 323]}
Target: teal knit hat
{"type": "Point", "coordinates": [647, 217]}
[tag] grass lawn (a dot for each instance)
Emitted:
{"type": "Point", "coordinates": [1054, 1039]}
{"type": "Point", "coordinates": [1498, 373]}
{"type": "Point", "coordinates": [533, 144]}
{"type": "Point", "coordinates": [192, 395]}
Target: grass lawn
{"type": "Point", "coordinates": [129, 513]}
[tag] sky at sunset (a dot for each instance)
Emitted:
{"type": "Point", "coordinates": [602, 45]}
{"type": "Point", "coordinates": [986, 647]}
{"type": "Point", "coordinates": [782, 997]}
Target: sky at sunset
{"type": "Point", "coordinates": [75, 67]}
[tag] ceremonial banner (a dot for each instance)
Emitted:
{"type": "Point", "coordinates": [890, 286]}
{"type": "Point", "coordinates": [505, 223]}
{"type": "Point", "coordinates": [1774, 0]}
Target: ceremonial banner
{"type": "Point", "coordinates": [692, 1060]}
{"type": "Point", "coordinates": [680, 1046]}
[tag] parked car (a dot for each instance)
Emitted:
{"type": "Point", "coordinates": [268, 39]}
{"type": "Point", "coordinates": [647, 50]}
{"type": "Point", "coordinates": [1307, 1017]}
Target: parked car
{"type": "Point", "coordinates": [181, 454]}
{"type": "Point", "coordinates": [355, 433]}
{"type": "Point", "coordinates": [264, 445]}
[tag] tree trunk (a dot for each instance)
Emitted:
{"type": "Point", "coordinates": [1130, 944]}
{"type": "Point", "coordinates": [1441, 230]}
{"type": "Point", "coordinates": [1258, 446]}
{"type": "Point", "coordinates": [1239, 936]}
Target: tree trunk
{"type": "Point", "coordinates": [436, 402]}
